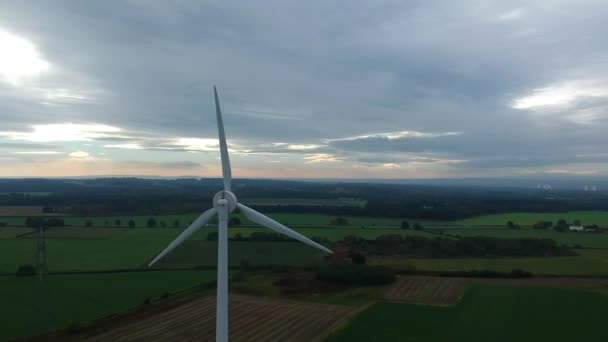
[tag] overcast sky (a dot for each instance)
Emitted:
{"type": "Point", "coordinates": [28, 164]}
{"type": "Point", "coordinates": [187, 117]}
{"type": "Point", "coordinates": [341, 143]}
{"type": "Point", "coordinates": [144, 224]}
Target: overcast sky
{"type": "Point", "coordinates": [348, 89]}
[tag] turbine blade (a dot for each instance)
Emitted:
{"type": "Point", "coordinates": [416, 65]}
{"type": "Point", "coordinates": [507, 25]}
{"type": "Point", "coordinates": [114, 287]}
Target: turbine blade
{"type": "Point", "coordinates": [267, 222]}
{"type": "Point", "coordinates": [226, 171]}
{"type": "Point", "coordinates": [193, 228]}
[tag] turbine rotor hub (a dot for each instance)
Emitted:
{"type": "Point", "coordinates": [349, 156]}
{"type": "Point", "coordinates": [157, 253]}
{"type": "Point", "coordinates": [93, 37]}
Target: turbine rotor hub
{"type": "Point", "coordinates": [228, 196]}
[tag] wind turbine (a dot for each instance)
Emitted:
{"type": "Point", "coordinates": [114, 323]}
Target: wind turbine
{"type": "Point", "coordinates": [224, 202]}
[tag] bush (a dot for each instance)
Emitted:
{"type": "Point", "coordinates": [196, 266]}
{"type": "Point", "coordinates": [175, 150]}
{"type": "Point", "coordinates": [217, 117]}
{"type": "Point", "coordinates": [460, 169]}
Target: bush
{"type": "Point", "coordinates": [2, 224]}
{"type": "Point", "coordinates": [359, 259]}
{"type": "Point", "coordinates": [405, 225]}
{"type": "Point", "coordinates": [151, 223]}
{"type": "Point", "coordinates": [543, 225]}
{"type": "Point", "coordinates": [88, 223]}
{"type": "Point", "coordinates": [339, 221]}
{"type": "Point", "coordinates": [234, 221]}
{"type": "Point", "coordinates": [356, 275]}
{"type": "Point", "coordinates": [26, 271]}
{"type": "Point", "coordinates": [417, 226]}
{"type": "Point", "coordinates": [131, 224]}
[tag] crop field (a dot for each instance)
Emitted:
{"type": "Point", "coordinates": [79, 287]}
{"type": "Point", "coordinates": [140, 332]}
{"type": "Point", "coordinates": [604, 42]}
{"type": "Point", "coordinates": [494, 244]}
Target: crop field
{"type": "Point", "coordinates": [486, 313]}
{"type": "Point", "coordinates": [251, 319]}
{"type": "Point", "coordinates": [589, 262]}
{"type": "Point", "coordinates": [527, 219]}
{"type": "Point", "coordinates": [584, 239]}
{"type": "Point", "coordinates": [29, 307]}
{"type": "Point", "coordinates": [426, 290]}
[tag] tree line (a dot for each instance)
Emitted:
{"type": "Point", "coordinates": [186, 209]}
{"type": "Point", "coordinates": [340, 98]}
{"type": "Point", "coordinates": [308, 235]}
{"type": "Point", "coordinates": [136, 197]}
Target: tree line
{"type": "Point", "coordinates": [480, 246]}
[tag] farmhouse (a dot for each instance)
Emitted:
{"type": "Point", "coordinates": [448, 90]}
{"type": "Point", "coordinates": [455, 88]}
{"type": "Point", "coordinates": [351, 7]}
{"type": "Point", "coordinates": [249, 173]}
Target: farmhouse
{"type": "Point", "coordinates": [576, 228]}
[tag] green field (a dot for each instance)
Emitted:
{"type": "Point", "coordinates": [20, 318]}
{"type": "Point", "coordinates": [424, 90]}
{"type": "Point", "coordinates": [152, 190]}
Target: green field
{"type": "Point", "coordinates": [71, 249]}
{"type": "Point", "coordinates": [196, 252]}
{"type": "Point", "coordinates": [487, 313]}
{"type": "Point", "coordinates": [29, 307]}
{"type": "Point", "coordinates": [589, 262]}
{"type": "Point", "coordinates": [586, 240]}
{"type": "Point", "coordinates": [527, 219]}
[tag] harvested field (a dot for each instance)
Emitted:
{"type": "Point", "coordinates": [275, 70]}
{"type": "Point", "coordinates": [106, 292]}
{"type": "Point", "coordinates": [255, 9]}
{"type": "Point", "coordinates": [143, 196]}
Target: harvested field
{"type": "Point", "coordinates": [446, 291]}
{"type": "Point", "coordinates": [251, 319]}
{"type": "Point", "coordinates": [426, 290]}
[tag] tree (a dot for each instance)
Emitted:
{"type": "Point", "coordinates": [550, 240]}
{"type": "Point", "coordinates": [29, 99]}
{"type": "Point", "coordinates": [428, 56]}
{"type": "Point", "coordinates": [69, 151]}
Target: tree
{"type": "Point", "coordinates": [510, 224]}
{"type": "Point", "coordinates": [561, 225]}
{"type": "Point", "coordinates": [151, 223]}
{"type": "Point", "coordinates": [131, 224]}
{"type": "Point", "coordinates": [417, 226]}
{"type": "Point", "coordinates": [576, 222]}
{"type": "Point", "coordinates": [88, 223]}
{"type": "Point", "coordinates": [117, 222]}
{"type": "Point", "coordinates": [405, 225]}
{"type": "Point", "coordinates": [542, 225]}
{"type": "Point", "coordinates": [234, 221]}
{"type": "Point", "coordinates": [176, 223]}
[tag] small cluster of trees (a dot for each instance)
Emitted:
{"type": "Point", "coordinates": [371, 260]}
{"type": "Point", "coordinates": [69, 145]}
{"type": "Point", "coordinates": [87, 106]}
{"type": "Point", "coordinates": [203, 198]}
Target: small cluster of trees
{"type": "Point", "coordinates": [561, 225]}
{"type": "Point", "coordinates": [260, 236]}
{"type": "Point", "coordinates": [418, 246]}
{"type": "Point", "coordinates": [415, 225]}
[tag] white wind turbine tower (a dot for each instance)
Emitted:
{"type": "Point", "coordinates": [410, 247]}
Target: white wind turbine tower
{"type": "Point", "coordinates": [224, 202]}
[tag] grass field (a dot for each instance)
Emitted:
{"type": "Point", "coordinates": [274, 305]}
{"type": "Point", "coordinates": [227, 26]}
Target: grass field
{"type": "Point", "coordinates": [197, 252]}
{"type": "Point", "coordinates": [29, 307]}
{"type": "Point", "coordinates": [487, 313]}
{"type": "Point", "coordinates": [589, 262]}
{"type": "Point", "coordinates": [527, 219]}
{"type": "Point", "coordinates": [587, 240]}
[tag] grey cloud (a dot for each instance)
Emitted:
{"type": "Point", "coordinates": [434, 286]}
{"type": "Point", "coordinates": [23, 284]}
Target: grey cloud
{"type": "Point", "coordinates": [164, 165]}
{"type": "Point", "coordinates": [363, 67]}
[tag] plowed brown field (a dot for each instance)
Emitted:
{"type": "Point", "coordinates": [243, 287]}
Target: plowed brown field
{"type": "Point", "coordinates": [251, 319]}
{"type": "Point", "coordinates": [426, 290]}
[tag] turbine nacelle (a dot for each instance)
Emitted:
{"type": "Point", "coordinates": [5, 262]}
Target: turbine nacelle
{"type": "Point", "coordinates": [225, 195]}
